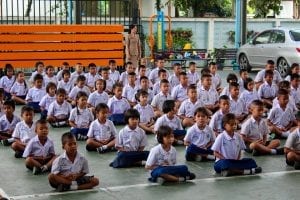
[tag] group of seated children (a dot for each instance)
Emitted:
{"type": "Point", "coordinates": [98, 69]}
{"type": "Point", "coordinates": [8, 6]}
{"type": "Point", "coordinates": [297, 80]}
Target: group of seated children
{"type": "Point", "coordinates": [188, 109]}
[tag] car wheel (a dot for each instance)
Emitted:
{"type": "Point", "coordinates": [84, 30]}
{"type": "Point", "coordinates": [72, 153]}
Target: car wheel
{"type": "Point", "coordinates": [244, 63]}
{"type": "Point", "coordinates": [282, 67]}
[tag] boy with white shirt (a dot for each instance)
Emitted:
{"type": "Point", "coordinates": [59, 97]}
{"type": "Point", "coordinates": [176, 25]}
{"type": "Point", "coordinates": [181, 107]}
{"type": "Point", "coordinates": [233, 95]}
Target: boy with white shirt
{"type": "Point", "coordinates": [174, 78]}
{"type": "Point", "coordinates": [47, 99]}
{"type": "Point", "coordinates": [215, 77]}
{"type": "Point", "coordinates": [49, 76]}
{"type": "Point", "coordinates": [249, 94]}
{"type": "Point", "coordinates": [295, 89]}
{"type": "Point", "coordinates": [179, 92]}
{"type": "Point", "coordinates": [259, 79]}
{"type": "Point", "coordinates": [124, 76]}
{"type": "Point", "coordinates": [78, 71]}
{"type": "Point", "coordinates": [64, 66]}
{"type": "Point", "coordinates": [36, 93]}
{"type": "Point", "coordinates": [192, 75]}
{"type": "Point", "coordinates": [130, 88]}
{"type": "Point", "coordinates": [92, 76]}
{"type": "Point", "coordinates": [162, 74]}
{"type": "Point", "coordinates": [113, 73]}
{"type": "Point", "coordinates": [268, 90]}
{"type": "Point", "coordinates": [153, 76]}
{"type": "Point", "coordinates": [80, 87]}
{"type": "Point", "coordinates": [108, 81]}
{"type": "Point", "coordinates": [237, 106]}
{"type": "Point", "coordinates": [65, 82]}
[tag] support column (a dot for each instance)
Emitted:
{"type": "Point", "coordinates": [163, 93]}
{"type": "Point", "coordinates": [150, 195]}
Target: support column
{"type": "Point", "coordinates": [211, 33]}
{"type": "Point", "coordinates": [78, 19]}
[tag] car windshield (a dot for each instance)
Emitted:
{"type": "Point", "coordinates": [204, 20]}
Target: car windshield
{"type": "Point", "coordinates": [295, 35]}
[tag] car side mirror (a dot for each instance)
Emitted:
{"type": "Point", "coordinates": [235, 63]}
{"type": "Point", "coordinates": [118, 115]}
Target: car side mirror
{"type": "Point", "coordinates": [251, 42]}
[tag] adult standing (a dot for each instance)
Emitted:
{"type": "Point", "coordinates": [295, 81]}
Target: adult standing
{"type": "Point", "coordinates": [133, 46]}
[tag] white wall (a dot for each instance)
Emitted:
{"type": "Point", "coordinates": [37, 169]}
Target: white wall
{"type": "Point", "coordinates": [287, 10]}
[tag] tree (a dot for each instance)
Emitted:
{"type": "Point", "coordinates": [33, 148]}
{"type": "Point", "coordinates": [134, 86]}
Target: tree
{"type": "Point", "coordinates": [263, 7]}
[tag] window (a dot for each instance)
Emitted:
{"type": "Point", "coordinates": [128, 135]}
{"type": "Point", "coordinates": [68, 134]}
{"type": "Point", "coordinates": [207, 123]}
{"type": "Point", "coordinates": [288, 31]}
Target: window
{"type": "Point", "coordinates": [277, 37]}
{"type": "Point", "coordinates": [263, 38]}
{"type": "Point", "coordinates": [295, 35]}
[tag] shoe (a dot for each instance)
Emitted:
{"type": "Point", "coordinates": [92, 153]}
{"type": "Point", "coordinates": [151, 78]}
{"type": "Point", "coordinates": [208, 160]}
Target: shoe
{"type": "Point", "coordinates": [255, 153]}
{"type": "Point", "coordinates": [5, 142]}
{"type": "Point", "coordinates": [160, 180]}
{"type": "Point", "coordinates": [258, 170]}
{"type": "Point", "coordinates": [297, 165]}
{"type": "Point", "coordinates": [190, 177]}
{"type": "Point", "coordinates": [18, 154]}
{"type": "Point", "coordinates": [280, 151]}
{"type": "Point", "coordinates": [225, 173]}
{"type": "Point", "coordinates": [62, 188]}
{"type": "Point", "coordinates": [36, 170]}
{"type": "Point", "coordinates": [101, 150]}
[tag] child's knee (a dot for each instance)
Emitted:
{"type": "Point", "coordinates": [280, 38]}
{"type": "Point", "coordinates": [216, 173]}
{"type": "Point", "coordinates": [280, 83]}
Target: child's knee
{"type": "Point", "coordinates": [291, 156]}
{"type": "Point", "coordinates": [95, 181]}
{"type": "Point", "coordinates": [253, 145]}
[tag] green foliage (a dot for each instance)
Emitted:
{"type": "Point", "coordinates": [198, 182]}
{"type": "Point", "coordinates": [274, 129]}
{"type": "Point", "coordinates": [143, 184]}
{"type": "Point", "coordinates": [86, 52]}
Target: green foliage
{"type": "Point", "coordinates": [231, 35]}
{"type": "Point", "coordinates": [263, 7]}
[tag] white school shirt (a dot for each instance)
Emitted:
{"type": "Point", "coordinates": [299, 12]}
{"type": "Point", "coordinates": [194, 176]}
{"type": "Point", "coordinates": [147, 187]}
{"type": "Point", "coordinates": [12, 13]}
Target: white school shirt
{"type": "Point", "coordinates": [281, 118]}
{"type": "Point", "coordinates": [118, 106]}
{"type": "Point", "coordinates": [293, 140]}
{"type": "Point", "coordinates": [63, 165]}
{"type": "Point", "coordinates": [35, 94]}
{"type": "Point", "coordinates": [109, 84]}
{"type": "Point", "coordinates": [74, 76]}
{"type": "Point", "coordinates": [248, 97]}
{"type": "Point", "coordinates": [35, 148]}
{"type": "Point", "coordinates": [267, 91]}
{"type": "Point", "coordinates": [24, 132]}
{"type": "Point", "coordinates": [33, 75]}
{"type": "Point", "coordinates": [216, 121]}
{"type": "Point", "coordinates": [241, 85]}
{"type": "Point", "coordinates": [160, 157]}
{"type": "Point", "coordinates": [59, 75]}
{"type": "Point", "coordinates": [100, 131]}
{"type": "Point", "coordinates": [76, 89]}
{"type": "Point", "coordinates": [216, 80]}
{"type": "Point", "coordinates": [6, 83]}
{"type": "Point", "coordinates": [187, 108]}
{"type": "Point", "coordinates": [156, 88]}
{"type": "Point", "coordinates": [95, 98]}
{"type": "Point", "coordinates": [124, 78]}
{"type": "Point", "coordinates": [129, 92]}
{"type": "Point", "coordinates": [291, 104]}
{"type": "Point", "coordinates": [261, 76]}
{"type": "Point", "coordinates": [237, 107]}
{"type": "Point", "coordinates": [173, 80]}
{"type": "Point", "coordinates": [65, 85]}
{"type": "Point", "coordinates": [131, 140]}
{"type": "Point", "coordinates": [81, 117]}
{"type": "Point", "coordinates": [60, 111]}
{"type": "Point", "coordinates": [146, 113]}
{"type": "Point", "coordinates": [159, 99]}
{"type": "Point", "coordinates": [255, 130]}
{"type": "Point", "coordinates": [91, 79]}
{"type": "Point", "coordinates": [150, 96]}
{"type": "Point", "coordinates": [48, 79]}
{"type": "Point", "coordinates": [229, 147]}
{"type": "Point", "coordinates": [295, 93]}
{"type": "Point", "coordinates": [193, 77]}
{"type": "Point", "coordinates": [19, 89]}
{"type": "Point", "coordinates": [115, 76]}
{"type": "Point", "coordinates": [225, 91]}
{"type": "Point", "coordinates": [179, 93]}
{"type": "Point", "coordinates": [208, 97]}
{"type": "Point", "coordinates": [174, 123]}
{"type": "Point", "coordinates": [199, 137]}
{"type": "Point", "coordinates": [153, 76]}
{"type": "Point", "coordinates": [46, 101]}
{"type": "Point", "coordinates": [5, 125]}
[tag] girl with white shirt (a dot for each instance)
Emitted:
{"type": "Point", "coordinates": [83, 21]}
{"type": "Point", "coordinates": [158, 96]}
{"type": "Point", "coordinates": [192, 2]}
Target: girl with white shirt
{"type": "Point", "coordinates": [19, 89]}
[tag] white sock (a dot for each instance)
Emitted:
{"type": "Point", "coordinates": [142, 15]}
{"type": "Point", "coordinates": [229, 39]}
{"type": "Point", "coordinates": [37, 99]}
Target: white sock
{"type": "Point", "coordinates": [104, 147]}
{"type": "Point", "coordinates": [74, 185]}
{"type": "Point", "coordinates": [11, 140]}
{"type": "Point", "coordinates": [247, 171]}
{"type": "Point", "coordinates": [285, 134]}
{"type": "Point", "coordinates": [181, 179]}
{"type": "Point", "coordinates": [273, 151]}
{"type": "Point", "coordinates": [211, 157]}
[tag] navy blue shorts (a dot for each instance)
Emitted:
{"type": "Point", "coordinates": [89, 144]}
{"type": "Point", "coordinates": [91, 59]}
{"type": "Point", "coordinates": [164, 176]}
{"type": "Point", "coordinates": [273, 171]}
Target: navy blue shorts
{"type": "Point", "coordinates": [229, 164]}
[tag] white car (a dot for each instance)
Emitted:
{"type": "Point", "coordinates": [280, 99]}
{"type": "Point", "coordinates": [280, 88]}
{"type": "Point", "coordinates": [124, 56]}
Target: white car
{"type": "Point", "coordinates": [281, 45]}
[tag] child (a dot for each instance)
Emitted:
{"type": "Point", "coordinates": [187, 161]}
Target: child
{"type": "Point", "coordinates": [99, 95]}
{"type": "Point", "coordinates": [294, 69]}
{"type": "Point", "coordinates": [216, 120]}
{"type": "Point", "coordinates": [228, 147]}
{"type": "Point", "coordinates": [117, 105]}
{"type": "Point", "coordinates": [36, 93]}
{"type": "Point", "coordinates": [80, 117]}
{"type": "Point", "coordinates": [261, 74]}
{"type": "Point", "coordinates": [130, 88]}
{"type": "Point", "coordinates": [141, 73]}
{"type": "Point", "coordinates": [249, 94]}
{"type": "Point", "coordinates": [69, 170]}
{"type": "Point", "coordinates": [144, 85]}
{"type": "Point", "coordinates": [179, 92]}
{"type": "Point", "coordinates": [80, 87]}
{"type": "Point", "coordinates": [199, 137]}
{"type": "Point", "coordinates": [255, 132]}
{"type": "Point", "coordinates": [65, 82]}
{"type": "Point", "coordinates": [216, 78]}
{"type": "Point", "coordinates": [39, 152]}
{"type": "Point", "coordinates": [268, 90]}
{"type": "Point", "coordinates": [92, 76]}
{"type": "Point", "coordinates": [113, 73]}
{"type": "Point", "coordinates": [49, 75]}
{"type": "Point", "coordinates": [243, 76]}
{"type": "Point", "coordinates": [187, 108]}
{"type": "Point", "coordinates": [230, 79]}
{"type": "Point", "coordinates": [7, 81]}
{"type": "Point", "coordinates": [24, 131]}
{"type": "Point", "coordinates": [281, 118]}
{"type": "Point", "coordinates": [19, 89]}
{"type": "Point", "coordinates": [237, 106]}
{"type": "Point", "coordinates": [8, 122]}
{"type": "Point", "coordinates": [162, 160]}
{"type": "Point", "coordinates": [295, 89]}
{"type": "Point", "coordinates": [108, 81]}
{"type": "Point", "coordinates": [48, 99]}
{"type": "Point", "coordinates": [146, 112]}
{"type": "Point", "coordinates": [59, 110]}
{"type": "Point", "coordinates": [174, 78]}
{"type": "Point", "coordinates": [1, 102]}
{"type": "Point", "coordinates": [192, 75]}
{"type": "Point", "coordinates": [124, 75]}
{"type": "Point", "coordinates": [39, 69]}
{"type": "Point", "coordinates": [102, 132]}
{"type": "Point", "coordinates": [65, 66]}
{"type": "Point", "coordinates": [153, 76]}
{"type": "Point", "coordinates": [170, 119]}
{"type": "Point", "coordinates": [162, 74]}
{"type": "Point", "coordinates": [207, 94]}
{"type": "Point", "coordinates": [130, 142]}
{"type": "Point", "coordinates": [78, 71]}
{"type": "Point", "coordinates": [292, 148]}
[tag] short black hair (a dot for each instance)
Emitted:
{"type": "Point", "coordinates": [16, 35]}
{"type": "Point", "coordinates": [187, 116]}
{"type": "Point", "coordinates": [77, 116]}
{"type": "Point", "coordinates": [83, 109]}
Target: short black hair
{"type": "Point", "coordinates": [182, 74]}
{"type": "Point", "coordinates": [243, 70]}
{"type": "Point", "coordinates": [231, 77]}
{"type": "Point", "coordinates": [168, 106]}
{"type": "Point", "coordinates": [161, 71]}
{"type": "Point", "coordinates": [139, 93]}
{"type": "Point", "coordinates": [192, 87]}
{"type": "Point", "coordinates": [104, 69]}
{"type": "Point", "coordinates": [101, 106]}
{"type": "Point", "coordinates": [284, 84]}
{"type": "Point", "coordinates": [205, 70]}
{"type": "Point", "coordinates": [282, 92]}
{"type": "Point", "coordinates": [92, 65]}
{"type": "Point", "coordinates": [143, 77]}
{"type": "Point", "coordinates": [104, 83]}
{"type": "Point", "coordinates": [49, 67]}
{"type": "Point", "coordinates": [270, 62]}
{"type": "Point", "coordinates": [203, 76]}
{"type": "Point", "coordinates": [116, 85]}
{"type": "Point", "coordinates": [202, 110]}
{"type": "Point", "coordinates": [257, 102]}
{"type": "Point", "coordinates": [41, 121]}
{"type": "Point", "coordinates": [10, 103]}
{"type": "Point", "coordinates": [81, 94]}
{"type": "Point", "coordinates": [233, 84]}
{"type": "Point", "coordinates": [294, 76]}
{"type": "Point", "coordinates": [269, 73]}
{"type": "Point", "coordinates": [192, 63]}
{"type": "Point", "coordinates": [246, 82]}
{"type": "Point", "coordinates": [131, 113]}
{"type": "Point", "coordinates": [163, 131]}
{"type": "Point", "coordinates": [176, 65]}
{"type": "Point", "coordinates": [131, 74]}
{"type": "Point", "coordinates": [227, 118]}
{"type": "Point", "coordinates": [67, 136]}
{"type": "Point", "coordinates": [65, 71]}
{"type": "Point", "coordinates": [50, 85]}
{"type": "Point", "coordinates": [111, 62]}
{"type": "Point", "coordinates": [61, 91]}
{"type": "Point", "coordinates": [37, 64]}
{"type": "Point", "coordinates": [224, 98]}
{"type": "Point", "coordinates": [26, 109]}
{"type": "Point", "coordinates": [38, 77]}
{"type": "Point", "coordinates": [128, 63]}
{"type": "Point", "coordinates": [212, 63]}
{"type": "Point", "coordinates": [141, 67]}
{"type": "Point", "coordinates": [164, 81]}
{"type": "Point", "coordinates": [80, 78]}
